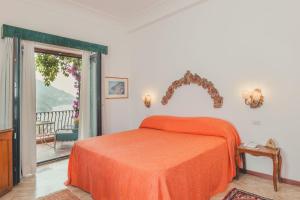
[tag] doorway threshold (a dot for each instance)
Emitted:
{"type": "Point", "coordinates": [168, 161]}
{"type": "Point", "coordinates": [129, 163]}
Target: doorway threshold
{"type": "Point", "coordinates": [52, 160]}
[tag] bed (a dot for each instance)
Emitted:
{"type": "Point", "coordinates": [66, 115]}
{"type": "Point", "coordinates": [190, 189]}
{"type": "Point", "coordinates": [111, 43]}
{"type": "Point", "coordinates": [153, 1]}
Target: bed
{"type": "Point", "coordinates": [165, 158]}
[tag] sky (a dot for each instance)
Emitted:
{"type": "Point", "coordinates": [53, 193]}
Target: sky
{"type": "Point", "coordinates": [61, 82]}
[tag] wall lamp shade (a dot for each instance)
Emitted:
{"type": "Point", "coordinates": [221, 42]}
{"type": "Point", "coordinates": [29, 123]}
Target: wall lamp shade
{"type": "Point", "coordinates": [147, 100]}
{"type": "Point", "coordinates": [254, 98]}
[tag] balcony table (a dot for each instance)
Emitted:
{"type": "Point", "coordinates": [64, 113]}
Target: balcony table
{"type": "Point", "coordinates": [47, 128]}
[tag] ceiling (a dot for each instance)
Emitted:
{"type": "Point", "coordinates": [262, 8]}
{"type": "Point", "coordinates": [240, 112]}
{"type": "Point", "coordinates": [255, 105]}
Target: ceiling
{"type": "Point", "coordinates": [119, 9]}
{"type": "Point", "coordinates": [134, 14]}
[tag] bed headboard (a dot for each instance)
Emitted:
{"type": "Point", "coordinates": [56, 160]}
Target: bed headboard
{"type": "Point", "coordinates": [188, 79]}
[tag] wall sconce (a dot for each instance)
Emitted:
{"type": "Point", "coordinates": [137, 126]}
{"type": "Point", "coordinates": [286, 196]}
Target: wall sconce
{"type": "Point", "coordinates": [254, 98]}
{"type": "Point", "coordinates": [147, 100]}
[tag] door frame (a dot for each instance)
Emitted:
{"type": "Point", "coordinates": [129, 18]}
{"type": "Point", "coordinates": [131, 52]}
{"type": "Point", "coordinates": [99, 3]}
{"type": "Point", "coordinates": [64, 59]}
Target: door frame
{"type": "Point", "coordinates": [16, 110]}
{"type": "Point", "coordinates": [17, 107]}
{"type": "Point", "coordinates": [99, 94]}
{"type": "Point", "coordinates": [98, 91]}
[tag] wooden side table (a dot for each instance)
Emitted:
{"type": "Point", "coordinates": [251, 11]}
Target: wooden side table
{"type": "Point", "coordinates": [274, 154]}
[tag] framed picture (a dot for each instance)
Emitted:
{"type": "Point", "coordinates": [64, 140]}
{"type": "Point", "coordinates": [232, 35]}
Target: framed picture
{"type": "Point", "coordinates": [116, 88]}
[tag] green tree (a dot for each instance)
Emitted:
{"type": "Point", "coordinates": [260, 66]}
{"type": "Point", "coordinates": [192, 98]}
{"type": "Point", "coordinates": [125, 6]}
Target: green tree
{"type": "Point", "coordinates": [49, 66]}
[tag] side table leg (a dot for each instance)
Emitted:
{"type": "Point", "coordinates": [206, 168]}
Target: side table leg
{"type": "Point", "coordinates": [275, 172]}
{"type": "Point", "coordinates": [244, 163]}
{"type": "Point", "coordinates": [279, 167]}
{"type": "Point", "coordinates": [237, 158]}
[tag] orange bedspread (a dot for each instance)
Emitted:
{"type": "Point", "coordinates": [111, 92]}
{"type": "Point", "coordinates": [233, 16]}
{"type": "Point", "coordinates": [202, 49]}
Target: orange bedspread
{"type": "Point", "coordinates": [153, 162]}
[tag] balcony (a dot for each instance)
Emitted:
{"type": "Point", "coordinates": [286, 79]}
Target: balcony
{"type": "Point", "coordinates": [47, 125]}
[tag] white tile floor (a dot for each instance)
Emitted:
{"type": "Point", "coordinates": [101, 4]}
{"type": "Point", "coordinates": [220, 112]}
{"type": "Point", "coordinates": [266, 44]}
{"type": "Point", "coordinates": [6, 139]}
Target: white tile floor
{"type": "Point", "coordinates": [46, 152]}
{"type": "Point", "coordinates": [50, 178]}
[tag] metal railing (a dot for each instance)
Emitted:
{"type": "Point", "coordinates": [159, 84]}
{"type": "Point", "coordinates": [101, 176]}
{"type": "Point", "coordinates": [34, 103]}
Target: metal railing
{"type": "Point", "coordinates": [58, 119]}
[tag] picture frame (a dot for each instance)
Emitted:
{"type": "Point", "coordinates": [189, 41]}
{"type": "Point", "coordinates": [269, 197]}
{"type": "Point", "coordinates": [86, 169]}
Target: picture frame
{"type": "Point", "coordinates": [116, 88]}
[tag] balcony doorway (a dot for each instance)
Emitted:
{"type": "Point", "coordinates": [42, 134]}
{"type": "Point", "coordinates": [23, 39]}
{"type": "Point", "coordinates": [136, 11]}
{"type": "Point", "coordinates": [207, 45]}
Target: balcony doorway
{"type": "Point", "coordinates": [57, 103]}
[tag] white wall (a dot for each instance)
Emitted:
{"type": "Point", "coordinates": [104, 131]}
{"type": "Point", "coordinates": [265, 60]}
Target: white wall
{"type": "Point", "coordinates": [67, 20]}
{"type": "Point", "coordinates": [238, 45]}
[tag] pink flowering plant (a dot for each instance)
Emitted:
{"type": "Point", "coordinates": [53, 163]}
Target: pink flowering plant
{"type": "Point", "coordinates": [74, 71]}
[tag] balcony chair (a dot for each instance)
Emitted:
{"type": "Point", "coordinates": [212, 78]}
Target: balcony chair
{"type": "Point", "coordinates": [66, 135]}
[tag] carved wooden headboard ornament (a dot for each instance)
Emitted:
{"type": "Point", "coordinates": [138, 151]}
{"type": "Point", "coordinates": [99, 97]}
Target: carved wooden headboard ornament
{"type": "Point", "coordinates": [194, 79]}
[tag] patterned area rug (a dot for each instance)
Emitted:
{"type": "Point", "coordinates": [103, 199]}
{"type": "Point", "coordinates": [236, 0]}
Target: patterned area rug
{"type": "Point", "coordinates": [61, 195]}
{"type": "Point", "coordinates": [236, 194]}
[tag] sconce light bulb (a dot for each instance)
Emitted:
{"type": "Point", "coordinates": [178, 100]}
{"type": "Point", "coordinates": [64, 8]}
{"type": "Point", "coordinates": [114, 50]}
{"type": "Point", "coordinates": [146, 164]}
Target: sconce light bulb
{"type": "Point", "coordinates": [256, 94]}
{"type": "Point", "coordinates": [254, 98]}
{"type": "Point", "coordinates": [147, 100]}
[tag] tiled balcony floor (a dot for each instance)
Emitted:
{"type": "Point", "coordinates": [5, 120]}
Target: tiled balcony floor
{"type": "Point", "coordinates": [46, 152]}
